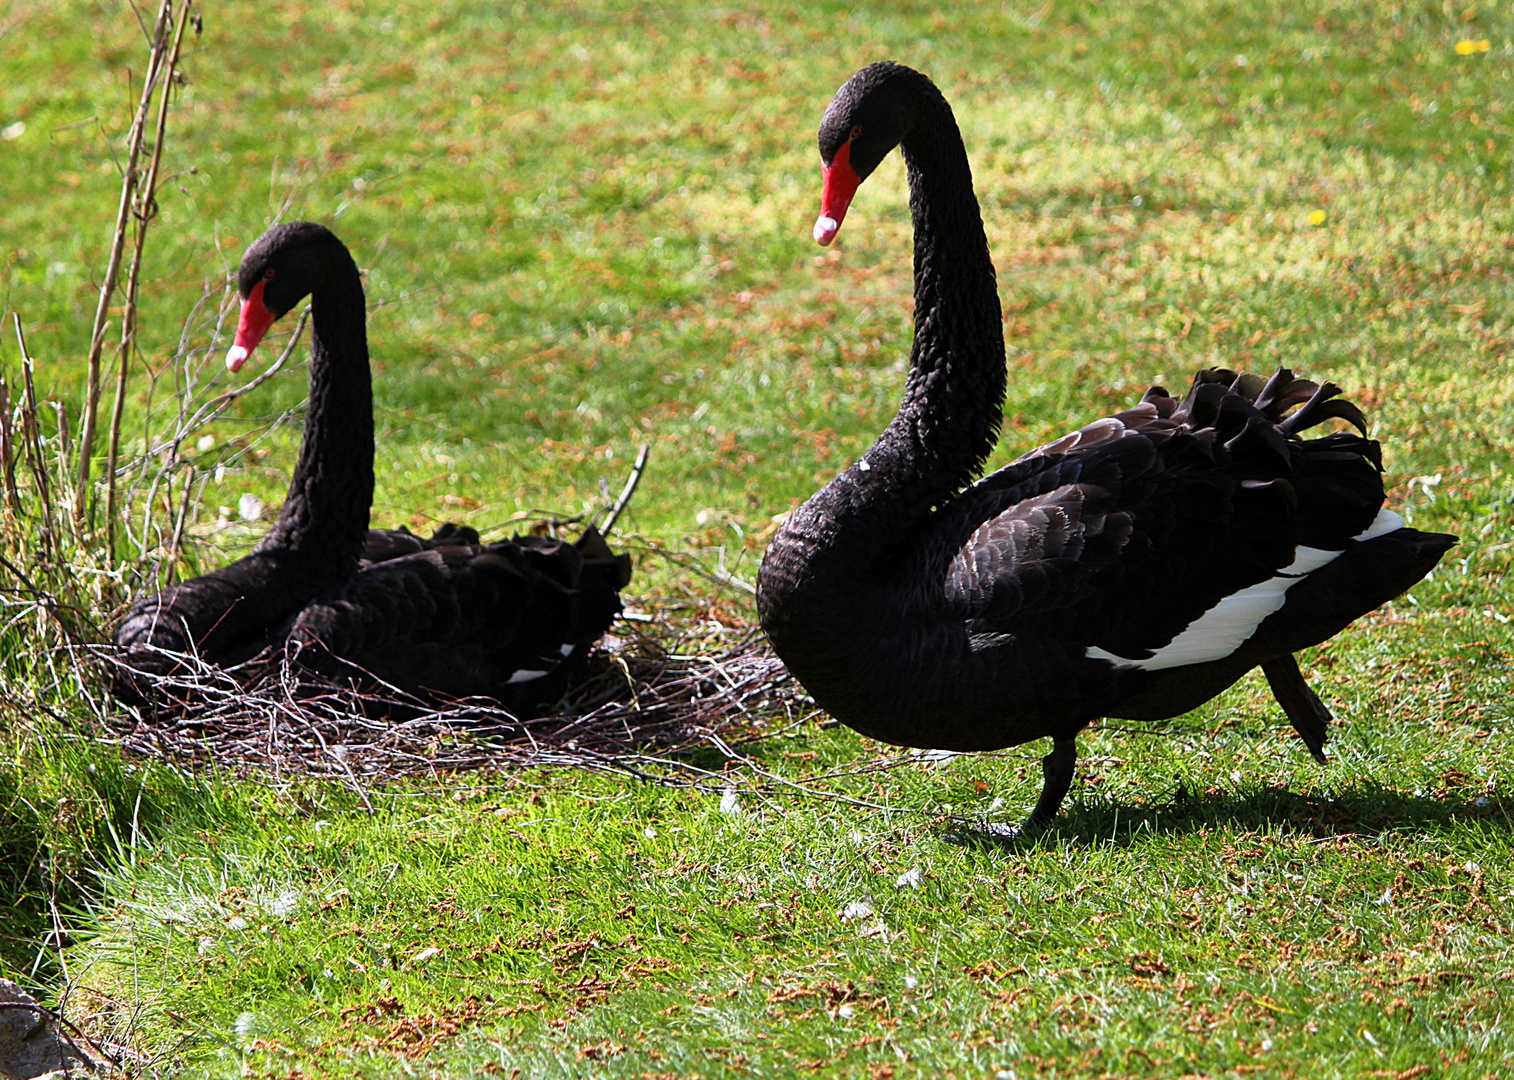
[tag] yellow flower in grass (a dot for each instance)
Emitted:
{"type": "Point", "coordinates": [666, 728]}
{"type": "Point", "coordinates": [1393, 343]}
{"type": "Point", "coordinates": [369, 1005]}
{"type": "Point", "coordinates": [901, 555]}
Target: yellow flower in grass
{"type": "Point", "coordinates": [1316, 217]}
{"type": "Point", "coordinates": [1468, 46]}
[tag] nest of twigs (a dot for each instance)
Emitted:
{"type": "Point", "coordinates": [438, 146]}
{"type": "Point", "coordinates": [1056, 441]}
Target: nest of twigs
{"type": "Point", "coordinates": [649, 701]}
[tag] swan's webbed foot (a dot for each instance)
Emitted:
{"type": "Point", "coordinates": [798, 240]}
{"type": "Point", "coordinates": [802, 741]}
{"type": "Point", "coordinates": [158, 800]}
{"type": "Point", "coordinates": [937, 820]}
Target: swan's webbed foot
{"type": "Point", "coordinates": [1305, 711]}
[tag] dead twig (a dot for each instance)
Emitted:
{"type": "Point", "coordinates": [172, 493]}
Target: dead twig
{"type": "Point", "coordinates": [8, 454]}
{"type": "Point", "coordinates": [637, 468]}
{"type": "Point", "coordinates": [130, 176]}
{"type": "Point", "coordinates": [146, 208]}
{"type": "Point", "coordinates": [137, 206]}
{"type": "Point", "coordinates": [31, 437]}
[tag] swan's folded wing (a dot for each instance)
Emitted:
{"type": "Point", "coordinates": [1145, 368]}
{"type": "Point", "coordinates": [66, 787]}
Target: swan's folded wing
{"type": "Point", "coordinates": [382, 545]}
{"type": "Point", "coordinates": [1140, 537]}
{"type": "Point", "coordinates": [1121, 536]}
{"type": "Point", "coordinates": [1030, 539]}
{"type": "Point", "coordinates": [502, 620]}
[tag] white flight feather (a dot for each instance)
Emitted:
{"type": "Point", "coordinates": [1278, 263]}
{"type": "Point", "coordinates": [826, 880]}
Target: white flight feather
{"type": "Point", "coordinates": [1228, 624]}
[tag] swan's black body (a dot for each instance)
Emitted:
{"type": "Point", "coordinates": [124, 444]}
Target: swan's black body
{"type": "Point", "coordinates": [447, 617]}
{"type": "Point", "coordinates": [925, 610]}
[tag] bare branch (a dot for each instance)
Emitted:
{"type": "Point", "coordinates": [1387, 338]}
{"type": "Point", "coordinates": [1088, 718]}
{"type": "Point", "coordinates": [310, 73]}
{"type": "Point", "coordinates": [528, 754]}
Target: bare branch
{"type": "Point", "coordinates": [626, 492]}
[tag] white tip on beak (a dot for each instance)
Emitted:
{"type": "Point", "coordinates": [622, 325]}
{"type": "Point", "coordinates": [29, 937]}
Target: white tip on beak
{"type": "Point", "coordinates": [825, 229]}
{"type": "Point", "coordinates": [236, 358]}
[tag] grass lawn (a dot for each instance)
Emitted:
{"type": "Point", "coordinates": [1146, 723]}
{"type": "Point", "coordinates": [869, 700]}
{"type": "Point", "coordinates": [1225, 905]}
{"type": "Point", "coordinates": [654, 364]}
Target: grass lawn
{"type": "Point", "coordinates": [586, 227]}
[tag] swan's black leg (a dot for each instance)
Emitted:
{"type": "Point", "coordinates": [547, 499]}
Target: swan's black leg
{"type": "Point", "coordinates": [1057, 768]}
{"type": "Point", "coordinates": [1305, 710]}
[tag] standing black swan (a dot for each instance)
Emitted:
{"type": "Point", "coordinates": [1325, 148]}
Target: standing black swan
{"type": "Point", "coordinates": [446, 616]}
{"type": "Point", "coordinates": [1132, 569]}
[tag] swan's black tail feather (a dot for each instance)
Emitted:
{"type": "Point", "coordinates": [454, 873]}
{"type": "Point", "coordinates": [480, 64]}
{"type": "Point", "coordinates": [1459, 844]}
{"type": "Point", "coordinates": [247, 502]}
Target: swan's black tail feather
{"type": "Point", "coordinates": [1297, 499]}
{"type": "Point", "coordinates": [1232, 402]}
{"type": "Point", "coordinates": [596, 552]}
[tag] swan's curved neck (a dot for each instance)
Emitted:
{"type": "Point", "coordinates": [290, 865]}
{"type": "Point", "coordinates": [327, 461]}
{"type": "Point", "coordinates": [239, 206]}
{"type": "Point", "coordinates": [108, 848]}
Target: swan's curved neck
{"type": "Point", "coordinates": [821, 576]}
{"type": "Point", "coordinates": [948, 422]}
{"type": "Point", "coordinates": [324, 519]}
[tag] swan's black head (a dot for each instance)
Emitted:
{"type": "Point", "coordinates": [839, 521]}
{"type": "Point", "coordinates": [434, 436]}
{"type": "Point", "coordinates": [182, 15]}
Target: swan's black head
{"type": "Point", "coordinates": [869, 116]}
{"type": "Point", "coordinates": [283, 266]}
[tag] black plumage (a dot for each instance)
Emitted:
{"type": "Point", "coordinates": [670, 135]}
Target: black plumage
{"type": "Point", "coordinates": [1134, 568]}
{"type": "Point", "coordinates": [446, 617]}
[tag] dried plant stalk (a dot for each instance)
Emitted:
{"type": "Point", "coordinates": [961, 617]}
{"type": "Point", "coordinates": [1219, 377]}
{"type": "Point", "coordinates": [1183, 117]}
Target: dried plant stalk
{"type": "Point", "coordinates": [146, 210]}
{"type": "Point", "coordinates": [31, 438]}
{"type": "Point", "coordinates": [639, 467]}
{"type": "Point", "coordinates": [163, 57]}
{"type": "Point", "coordinates": [8, 454]}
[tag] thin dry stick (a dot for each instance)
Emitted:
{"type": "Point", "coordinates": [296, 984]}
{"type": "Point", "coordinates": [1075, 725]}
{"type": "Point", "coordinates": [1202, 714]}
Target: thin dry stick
{"type": "Point", "coordinates": [8, 453]}
{"type": "Point", "coordinates": [146, 210]}
{"type": "Point", "coordinates": [60, 413]}
{"type": "Point", "coordinates": [181, 520]}
{"type": "Point", "coordinates": [218, 404]}
{"type": "Point", "coordinates": [141, 469]}
{"type": "Point", "coordinates": [129, 179]}
{"type": "Point", "coordinates": [32, 438]}
{"type": "Point", "coordinates": [71, 1030]}
{"type": "Point", "coordinates": [626, 492]}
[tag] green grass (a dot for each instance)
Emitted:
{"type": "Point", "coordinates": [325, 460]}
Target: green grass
{"type": "Point", "coordinates": [586, 227]}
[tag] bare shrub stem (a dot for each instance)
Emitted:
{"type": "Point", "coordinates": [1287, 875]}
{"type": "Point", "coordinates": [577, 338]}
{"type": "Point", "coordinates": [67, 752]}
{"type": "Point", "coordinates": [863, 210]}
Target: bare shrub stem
{"type": "Point", "coordinates": [137, 203]}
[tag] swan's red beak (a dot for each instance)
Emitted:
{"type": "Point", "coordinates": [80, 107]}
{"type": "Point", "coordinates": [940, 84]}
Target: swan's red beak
{"type": "Point", "coordinates": [254, 323]}
{"type": "Point", "coordinates": [840, 184]}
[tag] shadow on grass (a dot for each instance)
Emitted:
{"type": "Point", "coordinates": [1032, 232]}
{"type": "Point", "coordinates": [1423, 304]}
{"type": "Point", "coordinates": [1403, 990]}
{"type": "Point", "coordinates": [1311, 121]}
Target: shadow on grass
{"type": "Point", "coordinates": [1361, 811]}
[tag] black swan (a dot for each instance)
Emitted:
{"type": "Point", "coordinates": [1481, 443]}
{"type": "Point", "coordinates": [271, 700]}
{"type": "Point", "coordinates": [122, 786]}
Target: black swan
{"type": "Point", "coordinates": [1132, 569]}
{"type": "Point", "coordinates": [446, 616]}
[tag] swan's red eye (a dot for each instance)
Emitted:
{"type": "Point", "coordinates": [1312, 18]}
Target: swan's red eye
{"type": "Point", "coordinates": [268, 273]}
{"type": "Point", "coordinates": [857, 132]}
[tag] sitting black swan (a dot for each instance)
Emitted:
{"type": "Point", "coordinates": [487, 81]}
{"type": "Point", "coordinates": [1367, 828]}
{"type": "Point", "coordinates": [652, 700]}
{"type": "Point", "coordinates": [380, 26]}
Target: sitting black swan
{"type": "Point", "coordinates": [448, 617]}
{"type": "Point", "coordinates": [1132, 569]}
